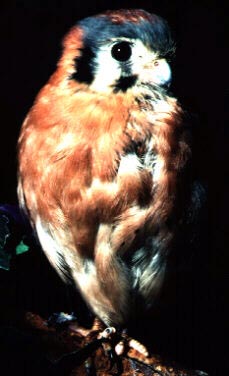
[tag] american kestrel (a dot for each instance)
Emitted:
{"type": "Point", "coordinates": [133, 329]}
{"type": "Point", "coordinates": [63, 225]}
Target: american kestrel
{"type": "Point", "coordinates": [103, 162]}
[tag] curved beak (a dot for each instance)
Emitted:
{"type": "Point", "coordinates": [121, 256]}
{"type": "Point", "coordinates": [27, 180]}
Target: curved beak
{"type": "Point", "coordinates": [158, 72]}
{"type": "Point", "coordinates": [161, 73]}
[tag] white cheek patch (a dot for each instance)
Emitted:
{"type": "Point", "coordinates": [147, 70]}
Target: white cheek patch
{"type": "Point", "coordinates": [108, 70]}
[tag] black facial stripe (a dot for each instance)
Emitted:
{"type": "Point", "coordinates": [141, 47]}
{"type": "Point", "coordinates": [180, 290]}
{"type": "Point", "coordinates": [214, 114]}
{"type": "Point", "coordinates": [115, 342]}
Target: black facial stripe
{"type": "Point", "coordinates": [125, 83]}
{"type": "Point", "coordinates": [85, 67]}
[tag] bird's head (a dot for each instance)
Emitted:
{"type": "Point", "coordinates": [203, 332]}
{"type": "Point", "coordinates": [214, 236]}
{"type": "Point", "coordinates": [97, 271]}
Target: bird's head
{"type": "Point", "coordinates": [118, 50]}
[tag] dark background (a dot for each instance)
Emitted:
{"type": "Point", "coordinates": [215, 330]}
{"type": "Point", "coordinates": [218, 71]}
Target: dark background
{"type": "Point", "coordinates": [30, 46]}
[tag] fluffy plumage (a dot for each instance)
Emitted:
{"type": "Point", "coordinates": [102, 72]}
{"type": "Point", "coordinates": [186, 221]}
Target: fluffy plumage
{"type": "Point", "coordinates": [103, 157]}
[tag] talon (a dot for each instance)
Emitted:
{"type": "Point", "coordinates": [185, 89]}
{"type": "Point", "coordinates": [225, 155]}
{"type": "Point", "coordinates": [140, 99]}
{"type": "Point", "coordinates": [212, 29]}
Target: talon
{"type": "Point", "coordinates": [134, 344]}
{"type": "Point", "coordinates": [119, 348]}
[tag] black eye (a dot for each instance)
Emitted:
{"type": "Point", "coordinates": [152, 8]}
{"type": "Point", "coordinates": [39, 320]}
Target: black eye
{"type": "Point", "coordinates": [121, 51]}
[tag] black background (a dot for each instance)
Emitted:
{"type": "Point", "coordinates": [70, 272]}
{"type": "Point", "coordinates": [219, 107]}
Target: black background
{"type": "Point", "coordinates": [30, 33]}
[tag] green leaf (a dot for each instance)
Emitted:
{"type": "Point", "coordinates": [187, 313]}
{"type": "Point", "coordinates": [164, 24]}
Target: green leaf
{"type": "Point", "coordinates": [21, 248]}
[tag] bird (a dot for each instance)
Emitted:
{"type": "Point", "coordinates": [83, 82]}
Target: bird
{"type": "Point", "coordinates": [104, 162]}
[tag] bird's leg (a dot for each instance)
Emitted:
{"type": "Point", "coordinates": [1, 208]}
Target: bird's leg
{"type": "Point", "coordinates": [117, 343]}
{"type": "Point", "coordinates": [115, 340]}
{"type": "Point", "coordinates": [109, 343]}
{"type": "Point", "coordinates": [109, 338]}
{"type": "Point", "coordinates": [98, 331]}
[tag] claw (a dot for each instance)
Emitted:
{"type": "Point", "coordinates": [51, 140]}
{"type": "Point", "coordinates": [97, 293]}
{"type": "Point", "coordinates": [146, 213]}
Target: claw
{"type": "Point", "coordinates": [136, 345]}
{"type": "Point", "coordinates": [120, 348]}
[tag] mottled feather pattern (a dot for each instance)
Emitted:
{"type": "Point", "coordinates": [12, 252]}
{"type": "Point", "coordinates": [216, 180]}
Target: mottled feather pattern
{"type": "Point", "coordinates": [102, 177]}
